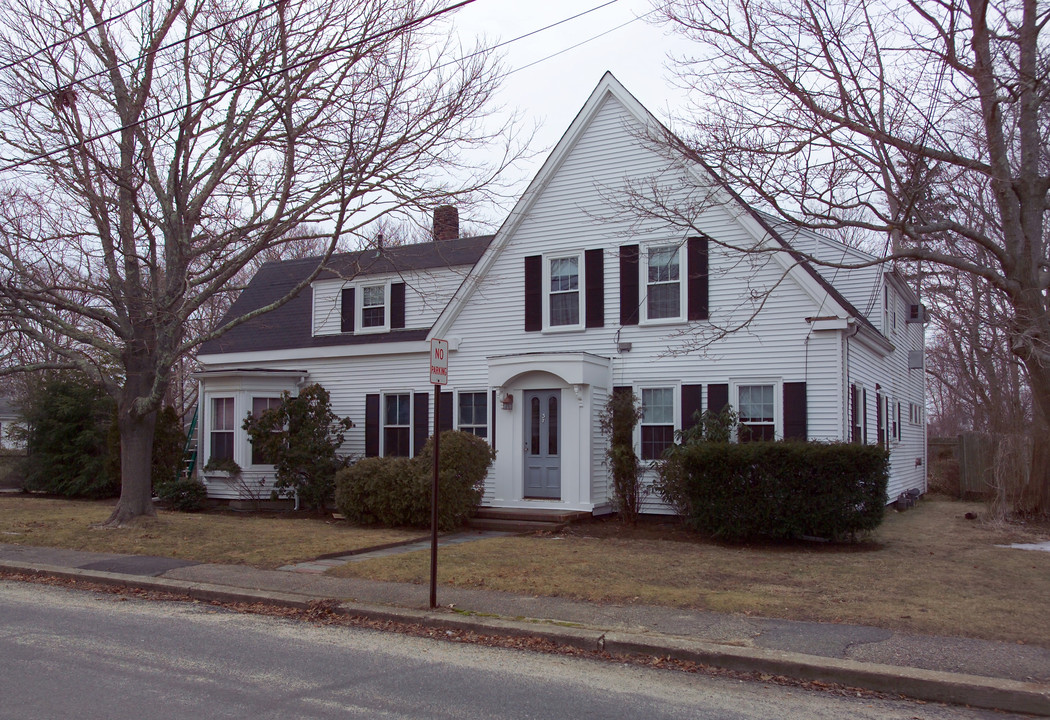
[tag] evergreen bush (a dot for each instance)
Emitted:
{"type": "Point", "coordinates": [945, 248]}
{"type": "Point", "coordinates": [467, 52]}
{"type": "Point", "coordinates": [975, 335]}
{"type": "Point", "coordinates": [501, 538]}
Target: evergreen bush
{"type": "Point", "coordinates": [396, 491]}
{"type": "Point", "coordinates": [67, 419]}
{"type": "Point", "coordinates": [183, 495]}
{"type": "Point", "coordinates": [776, 490]}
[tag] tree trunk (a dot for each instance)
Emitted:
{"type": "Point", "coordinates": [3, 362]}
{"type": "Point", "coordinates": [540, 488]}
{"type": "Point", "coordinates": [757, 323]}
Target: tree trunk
{"type": "Point", "coordinates": [136, 456]}
{"type": "Point", "coordinates": [1036, 498]}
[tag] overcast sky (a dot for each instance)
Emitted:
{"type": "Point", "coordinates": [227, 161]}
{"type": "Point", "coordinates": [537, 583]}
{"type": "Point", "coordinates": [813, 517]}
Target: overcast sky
{"type": "Point", "coordinates": [551, 91]}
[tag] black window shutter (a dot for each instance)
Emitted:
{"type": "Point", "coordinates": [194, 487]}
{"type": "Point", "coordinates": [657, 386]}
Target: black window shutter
{"type": "Point", "coordinates": [696, 259]}
{"type": "Point", "coordinates": [795, 411]}
{"type": "Point", "coordinates": [717, 397]}
{"type": "Point", "coordinates": [346, 311]}
{"type": "Point", "coordinates": [878, 418]}
{"type": "Point", "coordinates": [420, 420]}
{"type": "Point", "coordinates": [533, 293]}
{"type": "Point", "coordinates": [622, 390]}
{"type": "Point", "coordinates": [446, 411]}
{"type": "Point", "coordinates": [629, 285]}
{"type": "Point", "coordinates": [397, 305]}
{"type": "Point", "coordinates": [692, 399]}
{"type": "Point", "coordinates": [371, 425]}
{"type": "Point", "coordinates": [492, 438]}
{"type": "Point", "coordinates": [594, 269]}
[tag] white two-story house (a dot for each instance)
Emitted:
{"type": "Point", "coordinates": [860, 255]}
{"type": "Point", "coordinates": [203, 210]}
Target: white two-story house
{"type": "Point", "coordinates": [572, 298]}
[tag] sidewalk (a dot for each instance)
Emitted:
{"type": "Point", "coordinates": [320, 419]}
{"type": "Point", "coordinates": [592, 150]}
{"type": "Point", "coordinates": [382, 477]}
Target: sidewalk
{"type": "Point", "coordinates": [980, 673]}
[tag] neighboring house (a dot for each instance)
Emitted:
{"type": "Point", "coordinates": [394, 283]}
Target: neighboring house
{"type": "Point", "coordinates": [568, 301]}
{"type": "Point", "coordinates": [10, 418]}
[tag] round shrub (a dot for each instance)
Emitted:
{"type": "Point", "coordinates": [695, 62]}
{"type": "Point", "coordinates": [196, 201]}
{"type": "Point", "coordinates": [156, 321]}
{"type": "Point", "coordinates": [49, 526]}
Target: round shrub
{"type": "Point", "coordinates": [183, 495]}
{"type": "Point", "coordinates": [396, 491]}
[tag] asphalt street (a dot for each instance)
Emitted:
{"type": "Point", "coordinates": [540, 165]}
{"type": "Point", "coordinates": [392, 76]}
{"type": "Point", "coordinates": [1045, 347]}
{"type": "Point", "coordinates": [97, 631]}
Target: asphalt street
{"type": "Point", "coordinates": [66, 653]}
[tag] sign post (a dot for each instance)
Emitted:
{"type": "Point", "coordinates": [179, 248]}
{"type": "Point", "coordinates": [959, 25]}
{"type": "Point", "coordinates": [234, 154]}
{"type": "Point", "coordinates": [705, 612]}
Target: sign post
{"type": "Point", "coordinates": [439, 377]}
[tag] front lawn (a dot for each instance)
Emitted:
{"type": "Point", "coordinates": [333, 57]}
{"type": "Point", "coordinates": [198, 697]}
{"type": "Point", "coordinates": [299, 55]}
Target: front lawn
{"type": "Point", "coordinates": [260, 541]}
{"type": "Point", "coordinates": [928, 570]}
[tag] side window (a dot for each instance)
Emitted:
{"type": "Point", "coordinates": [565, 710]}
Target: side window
{"type": "Point", "coordinates": [397, 425]}
{"type": "Point", "coordinates": [222, 419]}
{"type": "Point", "coordinates": [757, 412]}
{"type": "Point", "coordinates": [259, 406]}
{"type": "Point", "coordinates": [663, 286]}
{"type": "Point", "coordinates": [657, 425]}
{"type": "Point", "coordinates": [472, 413]}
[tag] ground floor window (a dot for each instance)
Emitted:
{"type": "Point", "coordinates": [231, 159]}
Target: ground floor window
{"type": "Point", "coordinates": [472, 413]}
{"type": "Point", "coordinates": [222, 418]}
{"type": "Point", "coordinates": [397, 425]}
{"type": "Point", "coordinates": [757, 408]}
{"type": "Point", "coordinates": [657, 423]}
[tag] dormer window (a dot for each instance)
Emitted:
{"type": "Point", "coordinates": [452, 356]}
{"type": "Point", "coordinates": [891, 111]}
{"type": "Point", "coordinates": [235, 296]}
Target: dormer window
{"type": "Point", "coordinates": [372, 307]}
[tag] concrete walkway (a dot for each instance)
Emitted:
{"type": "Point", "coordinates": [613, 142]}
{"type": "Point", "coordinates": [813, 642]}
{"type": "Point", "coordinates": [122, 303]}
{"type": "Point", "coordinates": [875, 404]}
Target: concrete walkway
{"type": "Point", "coordinates": [981, 673]}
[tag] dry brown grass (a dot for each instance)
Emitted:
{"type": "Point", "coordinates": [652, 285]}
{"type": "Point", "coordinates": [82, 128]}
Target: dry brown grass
{"type": "Point", "coordinates": [265, 542]}
{"type": "Point", "coordinates": [928, 570]}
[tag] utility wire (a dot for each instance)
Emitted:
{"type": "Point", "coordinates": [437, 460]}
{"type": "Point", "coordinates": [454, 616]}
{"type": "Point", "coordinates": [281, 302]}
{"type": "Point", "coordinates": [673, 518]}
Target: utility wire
{"type": "Point", "coordinates": [239, 86]}
{"type": "Point", "coordinates": [573, 47]}
{"type": "Point", "coordinates": [82, 33]}
{"type": "Point", "coordinates": [80, 81]}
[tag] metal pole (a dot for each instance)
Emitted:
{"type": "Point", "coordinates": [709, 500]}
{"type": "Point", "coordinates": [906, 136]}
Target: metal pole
{"type": "Point", "coordinates": [434, 499]}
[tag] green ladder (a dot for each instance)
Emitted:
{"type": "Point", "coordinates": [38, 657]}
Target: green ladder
{"type": "Point", "coordinates": [189, 450]}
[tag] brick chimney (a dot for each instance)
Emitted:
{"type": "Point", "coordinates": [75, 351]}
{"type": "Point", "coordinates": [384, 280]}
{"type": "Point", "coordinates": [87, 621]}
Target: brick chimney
{"type": "Point", "coordinates": [446, 223]}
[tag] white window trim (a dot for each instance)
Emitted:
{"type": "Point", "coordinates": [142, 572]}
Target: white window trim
{"type": "Point", "coordinates": [862, 415]}
{"type": "Point", "coordinates": [580, 291]}
{"type": "Point", "coordinates": [411, 421]}
{"type": "Point", "coordinates": [211, 429]}
{"type": "Point", "coordinates": [643, 284]}
{"type": "Point", "coordinates": [359, 309]}
{"type": "Point", "coordinates": [676, 409]}
{"type": "Point", "coordinates": [488, 410]}
{"type": "Point", "coordinates": [778, 401]}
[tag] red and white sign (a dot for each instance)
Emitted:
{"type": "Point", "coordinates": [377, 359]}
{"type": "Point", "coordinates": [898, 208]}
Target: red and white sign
{"type": "Point", "coordinates": [439, 361]}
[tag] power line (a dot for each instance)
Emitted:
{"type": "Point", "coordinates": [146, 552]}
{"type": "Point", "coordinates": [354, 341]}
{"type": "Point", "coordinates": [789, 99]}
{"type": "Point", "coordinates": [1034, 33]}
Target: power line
{"type": "Point", "coordinates": [80, 81]}
{"type": "Point", "coordinates": [83, 32]}
{"type": "Point", "coordinates": [240, 86]}
{"type": "Point", "coordinates": [572, 47]}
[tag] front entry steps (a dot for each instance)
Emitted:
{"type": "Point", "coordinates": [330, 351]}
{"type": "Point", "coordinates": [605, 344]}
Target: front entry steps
{"type": "Point", "coordinates": [524, 520]}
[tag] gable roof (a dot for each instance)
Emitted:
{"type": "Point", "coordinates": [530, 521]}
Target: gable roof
{"type": "Point", "coordinates": [290, 325]}
{"type": "Point", "coordinates": [804, 273]}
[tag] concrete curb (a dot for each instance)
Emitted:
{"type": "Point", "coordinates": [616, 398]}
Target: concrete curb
{"type": "Point", "coordinates": [930, 685]}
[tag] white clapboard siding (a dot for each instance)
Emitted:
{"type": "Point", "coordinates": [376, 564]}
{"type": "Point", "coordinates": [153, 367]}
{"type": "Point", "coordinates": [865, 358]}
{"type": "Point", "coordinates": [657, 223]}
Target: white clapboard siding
{"type": "Point", "coordinates": [427, 292]}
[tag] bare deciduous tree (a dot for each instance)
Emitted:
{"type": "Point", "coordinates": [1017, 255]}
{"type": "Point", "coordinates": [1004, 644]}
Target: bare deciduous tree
{"type": "Point", "coordinates": [923, 122]}
{"type": "Point", "coordinates": [152, 148]}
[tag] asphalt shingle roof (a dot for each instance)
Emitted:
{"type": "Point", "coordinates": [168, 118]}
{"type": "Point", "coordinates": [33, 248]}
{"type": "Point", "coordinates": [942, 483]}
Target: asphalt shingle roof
{"type": "Point", "coordinates": [289, 325]}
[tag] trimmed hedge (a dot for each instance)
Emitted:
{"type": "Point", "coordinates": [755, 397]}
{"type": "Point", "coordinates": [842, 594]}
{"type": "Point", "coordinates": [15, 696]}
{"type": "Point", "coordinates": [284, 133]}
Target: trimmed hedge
{"type": "Point", "coordinates": [777, 490]}
{"type": "Point", "coordinates": [396, 491]}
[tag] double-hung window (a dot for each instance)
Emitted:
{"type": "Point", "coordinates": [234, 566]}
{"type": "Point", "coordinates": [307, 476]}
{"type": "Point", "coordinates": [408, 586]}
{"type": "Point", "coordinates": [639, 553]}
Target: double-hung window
{"type": "Point", "coordinates": [663, 283]}
{"type": "Point", "coordinates": [373, 307]}
{"type": "Point", "coordinates": [657, 425]}
{"type": "Point", "coordinates": [397, 425]}
{"type": "Point", "coordinates": [259, 406]}
{"type": "Point", "coordinates": [222, 419]}
{"type": "Point", "coordinates": [757, 412]}
{"type": "Point", "coordinates": [472, 413]}
{"type": "Point", "coordinates": [563, 292]}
